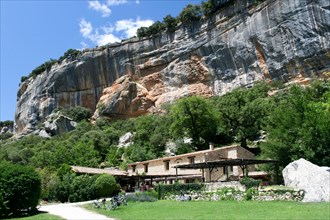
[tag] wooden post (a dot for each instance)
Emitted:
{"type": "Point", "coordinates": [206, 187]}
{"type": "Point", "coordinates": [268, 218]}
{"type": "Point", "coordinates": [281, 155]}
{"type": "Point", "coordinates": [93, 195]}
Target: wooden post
{"type": "Point", "coordinates": [203, 175]}
{"type": "Point", "coordinates": [277, 181]}
{"type": "Point", "coordinates": [176, 174]}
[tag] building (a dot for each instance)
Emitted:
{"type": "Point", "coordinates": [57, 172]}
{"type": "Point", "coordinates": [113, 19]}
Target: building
{"type": "Point", "coordinates": [214, 164]}
{"type": "Point", "coordinates": [168, 169]}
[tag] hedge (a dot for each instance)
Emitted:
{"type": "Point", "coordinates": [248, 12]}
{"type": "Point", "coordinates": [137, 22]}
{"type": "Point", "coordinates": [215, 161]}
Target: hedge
{"type": "Point", "coordinates": [20, 189]}
{"type": "Point", "coordinates": [178, 188]}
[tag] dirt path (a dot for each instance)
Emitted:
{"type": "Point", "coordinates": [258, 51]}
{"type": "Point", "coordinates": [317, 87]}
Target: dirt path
{"type": "Point", "coordinates": [73, 211]}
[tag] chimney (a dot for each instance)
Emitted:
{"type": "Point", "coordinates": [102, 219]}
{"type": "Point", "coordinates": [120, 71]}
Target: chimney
{"type": "Point", "coordinates": [211, 146]}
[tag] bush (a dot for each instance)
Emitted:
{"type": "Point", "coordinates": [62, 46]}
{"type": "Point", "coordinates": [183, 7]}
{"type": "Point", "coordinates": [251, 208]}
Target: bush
{"type": "Point", "coordinates": [170, 23]}
{"type": "Point", "coordinates": [49, 183]}
{"type": "Point", "coordinates": [23, 188]}
{"type": "Point", "coordinates": [83, 188]}
{"type": "Point", "coordinates": [105, 185]}
{"type": "Point", "coordinates": [250, 193]}
{"type": "Point", "coordinates": [229, 193]}
{"type": "Point", "coordinates": [3, 207]}
{"type": "Point", "coordinates": [77, 113]}
{"type": "Point", "coordinates": [190, 13]}
{"type": "Point", "coordinates": [178, 188]}
{"type": "Point", "coordinates": [250, 182]}
{"type": "Point", "coordinates": [71, 54]}
{"type": "Point", "coordinates": [147, 196]}
{"type": "Point", "coordinates": [64, 189]}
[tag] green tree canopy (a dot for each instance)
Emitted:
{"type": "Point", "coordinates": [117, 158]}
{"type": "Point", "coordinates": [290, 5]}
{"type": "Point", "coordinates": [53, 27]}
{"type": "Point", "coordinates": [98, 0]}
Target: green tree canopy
{"type": "Point", "coordinates": [106, 185]}
{"type": "Point", "coordinates": [170, 22]}
{"type": "Point", "coordinates": [243, 112]}
{"type": "Point", "coordinates": [20, 188]}
{"type": "Point", "coordinates": [190, 13]}
{"type": "Point", "coordinates": [299, 125]}
{"type": "Point", "coordinates": [194, 117]}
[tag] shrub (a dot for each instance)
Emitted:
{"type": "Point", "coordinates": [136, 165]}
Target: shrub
{"type": "Point", "coordinates": [178, 188]}
{"type": "Point", "coordinates": [77, 113]}
{"type": "Point", "coordinates": [49, 183]}
{"type": "Point", "coordinates": [70, 53]}
{"type": "Point", "coordinates": [6, 136]}
{"type": "Point", "coordinates": [83, 188]}
{"type": "Point", "coordinates": [105, 185]}
{"type": "Point", "coordinates": [170, 22]}
{"type": "Point", "coordinates": [23, 188]}
{"type": "Point", "coordinates": [147, 196]}
{"type": "Point", "coordinates": [250, 193]}
{"type": "Point", "coordinates": [23, 78]}
{"type": "Point", "coordinates": [250, 182]}
{"type": "Point", "coordinates": [3, 207]}
{"type": "Point", "coordinates": [64, 188]}
{"type": "Point", "coordinates": [190, 13]}
{"type": "Point", "coordinates": [229, 193]}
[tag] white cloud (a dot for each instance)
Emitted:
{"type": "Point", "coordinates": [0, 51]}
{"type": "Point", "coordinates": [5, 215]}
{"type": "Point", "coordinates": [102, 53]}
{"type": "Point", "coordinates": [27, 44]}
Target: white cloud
{"type": "Point", "coordinates": [105, 8]}
{"type": "Point", "coordinates": [88, 32]}
{"type": "Point", "coordinates": [106, 38]}
{"type": "Point", "coordinates": [129, 26]}
{"type": "Point", "coordinates": [112, 33]}
{"type": "Point", "coordinates": [85, 28]}
{"type": "Point", "coordinates": [97, 6]}
{"type": "Point", "coordinates": [116, 2]}
{"type": "Point", "coordinates": [83, 45]}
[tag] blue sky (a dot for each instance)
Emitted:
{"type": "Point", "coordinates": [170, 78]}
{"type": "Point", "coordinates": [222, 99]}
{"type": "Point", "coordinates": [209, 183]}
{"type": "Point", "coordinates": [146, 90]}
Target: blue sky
{"type": "Point", "coordinates": [32, 32]}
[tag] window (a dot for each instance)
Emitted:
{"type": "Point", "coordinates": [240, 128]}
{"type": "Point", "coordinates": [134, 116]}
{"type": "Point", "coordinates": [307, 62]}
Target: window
{"type": "Point", "coordinates": [191, 160]}
{"type": "Point", "coordinates": [133, 168]}
{"type": "Point", "coordinates": [145, 168]}
{"type": "Point", "coordinates": [166, 164]}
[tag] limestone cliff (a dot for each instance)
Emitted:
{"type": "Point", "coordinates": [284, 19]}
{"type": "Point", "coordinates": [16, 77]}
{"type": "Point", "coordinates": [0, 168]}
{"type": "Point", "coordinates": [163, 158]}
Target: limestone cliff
{"type": "Point", "coordinates": [241, 44]}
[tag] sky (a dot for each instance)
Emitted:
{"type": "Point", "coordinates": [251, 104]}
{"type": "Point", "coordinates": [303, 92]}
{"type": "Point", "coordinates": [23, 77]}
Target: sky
{"type": "Point", "coordinates": [33, 32]}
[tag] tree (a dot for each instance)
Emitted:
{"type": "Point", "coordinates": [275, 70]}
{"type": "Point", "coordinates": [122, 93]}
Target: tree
{"type": "Point", "coordinates": [77, 113]}
{"type": "Point", "coordinates": [243, 112]}
{"type": "Point", "coordinates": [105, 185]}
{"type": "Point", "coordinates": [141, 32]}
{"type": "Point", "coordinates": [299, 125]}
{"type": "Point", "coordinates": [209, 7]}
{"type": "Point", "coordinates": [170, 22]}
{"type": "Point", "coordinates": [83, 188]}
{"type": "Point", "coordinates": [155, 29]}
{"type": "Point", "coordinates": [190, 13]}
{"type": "Point", "coordinates": [194, 117]}
{"type": "Point", "coordinates": [20, 188]}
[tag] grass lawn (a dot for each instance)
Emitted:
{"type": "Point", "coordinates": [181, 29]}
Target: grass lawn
{"type": "Point", "coordinates": [219, 210]}
{"type": "Point", "coordinates": [39, 216]}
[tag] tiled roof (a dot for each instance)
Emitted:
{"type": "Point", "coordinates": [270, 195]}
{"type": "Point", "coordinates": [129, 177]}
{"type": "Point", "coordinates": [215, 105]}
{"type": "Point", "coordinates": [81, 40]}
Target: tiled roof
{"type": "Point", "coordinates": [185, 155]}
{"type": "Point", "coordinates": [89, 170]}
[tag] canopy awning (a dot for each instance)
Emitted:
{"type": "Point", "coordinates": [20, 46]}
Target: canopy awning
{"type": "Point", "coordinates": [223, 163]}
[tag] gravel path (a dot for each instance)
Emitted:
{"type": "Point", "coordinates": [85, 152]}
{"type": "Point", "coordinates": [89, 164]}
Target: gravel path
{"type": "Point", "coordinates": [73, 211]}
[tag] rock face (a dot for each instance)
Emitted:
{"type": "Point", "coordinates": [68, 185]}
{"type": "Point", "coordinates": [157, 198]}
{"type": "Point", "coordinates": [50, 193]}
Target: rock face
{"type": "Point", "coordinates": [241, 44]}
{"type": "Point", "coordinates": [314, 180]}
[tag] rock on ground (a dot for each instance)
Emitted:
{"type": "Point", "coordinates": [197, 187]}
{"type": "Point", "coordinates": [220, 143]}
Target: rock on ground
{"type": "Point", "coordinates": [314, 180]}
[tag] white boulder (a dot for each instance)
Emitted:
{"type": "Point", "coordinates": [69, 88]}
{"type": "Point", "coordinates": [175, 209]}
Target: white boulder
{"type": "Point", "coordinates": [314, 180]}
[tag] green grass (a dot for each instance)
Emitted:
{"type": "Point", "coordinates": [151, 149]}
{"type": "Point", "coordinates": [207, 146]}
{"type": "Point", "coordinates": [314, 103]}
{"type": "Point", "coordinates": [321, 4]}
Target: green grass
{"type": "Point", "coordinates": [219, 210]}
{"type": "Point", "coordinates": [39, 216]}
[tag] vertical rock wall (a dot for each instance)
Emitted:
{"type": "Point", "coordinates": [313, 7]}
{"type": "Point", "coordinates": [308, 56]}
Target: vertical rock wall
{"type": "Point", "coordinates": [241, 44]}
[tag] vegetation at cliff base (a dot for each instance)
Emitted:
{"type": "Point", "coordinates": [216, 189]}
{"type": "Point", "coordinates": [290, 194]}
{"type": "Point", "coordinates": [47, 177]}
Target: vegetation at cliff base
{"type": "Point", "coordinates": [291, 123]}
